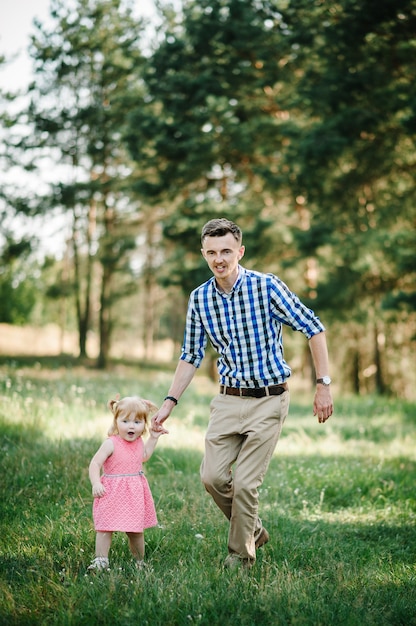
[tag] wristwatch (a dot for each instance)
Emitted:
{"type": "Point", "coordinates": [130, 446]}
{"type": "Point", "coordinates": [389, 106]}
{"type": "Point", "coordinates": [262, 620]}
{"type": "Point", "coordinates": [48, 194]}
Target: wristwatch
{"type": "Point", "coordinates": [324, 381]}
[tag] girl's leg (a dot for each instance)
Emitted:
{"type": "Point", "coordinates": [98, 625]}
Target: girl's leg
{"type": "Point", "coordinates": [136, 543]}
{"type": "Point", "coordinates": [103, 543]}
{"type": "Point", "coordinates": [102, 549]}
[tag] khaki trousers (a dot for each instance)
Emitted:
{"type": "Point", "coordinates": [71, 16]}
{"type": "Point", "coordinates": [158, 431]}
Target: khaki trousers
{"type": "Point", "coordinates": [242, 432]}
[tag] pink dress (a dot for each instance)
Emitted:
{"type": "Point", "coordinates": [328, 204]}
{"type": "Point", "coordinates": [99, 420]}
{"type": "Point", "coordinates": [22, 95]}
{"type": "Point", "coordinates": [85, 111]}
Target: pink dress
{"type": "Point", "coordinates": [127, 504]}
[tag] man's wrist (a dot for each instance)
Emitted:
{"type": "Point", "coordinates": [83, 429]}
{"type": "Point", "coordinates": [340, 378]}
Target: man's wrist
{"type": "Point", "coordinates": [325, 380]}
{"type": "Point", "coordinates": [172, 399]}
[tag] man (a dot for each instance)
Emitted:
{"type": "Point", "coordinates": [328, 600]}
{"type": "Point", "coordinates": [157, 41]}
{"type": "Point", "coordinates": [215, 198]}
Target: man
{"type": "Point", "coordinates": [241, 312]}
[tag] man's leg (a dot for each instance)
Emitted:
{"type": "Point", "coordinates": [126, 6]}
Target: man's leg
{"type": "Point", "coordinates": [245, 430]}
{"type": "Point", "coordinates": [264, 420]}
{"type": "Point", "coordinates": [222, 445]}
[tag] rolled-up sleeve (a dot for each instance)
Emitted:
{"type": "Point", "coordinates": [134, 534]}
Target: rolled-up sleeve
{"type": "Point", "coordinates": [288, 309]}
{"type": "Point", "coordinates": [195, 339]}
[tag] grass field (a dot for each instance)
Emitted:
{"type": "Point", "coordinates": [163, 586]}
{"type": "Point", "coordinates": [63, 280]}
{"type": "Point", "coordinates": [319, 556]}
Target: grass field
{"type": "Point", "coordinates": [339, 502]}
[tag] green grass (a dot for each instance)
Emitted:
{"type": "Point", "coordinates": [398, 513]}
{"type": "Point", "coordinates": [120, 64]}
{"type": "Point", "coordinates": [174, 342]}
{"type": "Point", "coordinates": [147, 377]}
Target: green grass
{"type": "Point", "coordinates": [339, 502]}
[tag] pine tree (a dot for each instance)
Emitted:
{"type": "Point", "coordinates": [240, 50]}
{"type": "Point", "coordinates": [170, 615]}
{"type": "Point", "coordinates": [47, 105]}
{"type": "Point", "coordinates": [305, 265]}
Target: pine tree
{"type": "Point", "coordinates": [87, 67]}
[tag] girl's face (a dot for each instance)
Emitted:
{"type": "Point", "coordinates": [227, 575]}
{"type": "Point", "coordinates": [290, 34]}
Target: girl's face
{"type": "Point", "coordinates": [130, 426]}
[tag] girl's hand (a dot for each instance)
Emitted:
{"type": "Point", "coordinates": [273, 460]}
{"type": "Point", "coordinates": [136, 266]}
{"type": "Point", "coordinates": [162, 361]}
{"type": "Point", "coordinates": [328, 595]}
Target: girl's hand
{"type": "Point", "coordinates": [98, 490]}
{"type": "Point", "coordinates": [156, 432]}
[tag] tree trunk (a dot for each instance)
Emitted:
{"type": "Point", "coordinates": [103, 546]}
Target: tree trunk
{"type": "Point", "coordinates": [108, 264]}
{"type": "Point", "coordinates": [151, 224]}
{"type": "Point", "coordinates": [83, 284]}
{"type": "Point", "coordinates": [81, 321]}
{"type": "Point", "coordinates": [355, 374]}
{"type": "Point", "coordinates": [379, 376]}
{"type": "Point", "coordinates": [104, 320]}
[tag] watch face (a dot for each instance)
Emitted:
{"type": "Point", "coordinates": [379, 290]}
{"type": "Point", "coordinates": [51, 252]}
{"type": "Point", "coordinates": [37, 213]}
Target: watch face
{"type": "Point", "coordinates": [326, 380]}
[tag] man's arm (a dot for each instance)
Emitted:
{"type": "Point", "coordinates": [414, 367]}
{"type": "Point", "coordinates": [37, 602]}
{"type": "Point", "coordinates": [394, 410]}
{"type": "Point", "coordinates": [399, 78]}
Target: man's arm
{"type": "Point", "coordinates": [323, 405]}
{"type": "Point", "coordinates": [184, 374]}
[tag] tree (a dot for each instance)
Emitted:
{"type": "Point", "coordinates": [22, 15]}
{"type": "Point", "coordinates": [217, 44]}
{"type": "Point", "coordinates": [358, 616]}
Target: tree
{"type": "Point", "coordinates": [17, 282]}
{"type": "Point", "coordinates": [209, 138]}
{"type": "Point", "coordinates": [353, 153]}
{"type": "Point", "coordinates": [17, 267]}
{"type": "Point", "coordinates": [87, 65]}
{"type": "Point", "coordinates": [297, 120]}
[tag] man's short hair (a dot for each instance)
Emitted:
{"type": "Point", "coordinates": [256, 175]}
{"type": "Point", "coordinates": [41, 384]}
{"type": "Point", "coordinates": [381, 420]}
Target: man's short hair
{"type": "Point", "coordinates": [219, 227]}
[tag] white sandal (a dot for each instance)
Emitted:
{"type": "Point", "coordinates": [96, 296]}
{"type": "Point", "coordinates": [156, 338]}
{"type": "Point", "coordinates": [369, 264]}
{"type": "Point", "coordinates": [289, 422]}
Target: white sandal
{"type": "Point", "coordinates": [99, 564]}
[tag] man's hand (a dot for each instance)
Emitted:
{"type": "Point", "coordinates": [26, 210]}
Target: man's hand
{"type": "Point", "coordinates": [159, 417]}
{"type": "Point", "coordinates": [183, 376]}
{"type": "Point", "coordinates": [156, 432]}
{"type": "Point", "coordinates": [323, 406]}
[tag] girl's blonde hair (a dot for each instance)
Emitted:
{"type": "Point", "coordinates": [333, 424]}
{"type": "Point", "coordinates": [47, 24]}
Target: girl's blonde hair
{"type": "Point", "coordinates": [140, 407]}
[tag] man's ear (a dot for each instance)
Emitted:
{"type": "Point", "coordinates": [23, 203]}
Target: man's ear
{"type": "Point", "coordinates": [241, 252]}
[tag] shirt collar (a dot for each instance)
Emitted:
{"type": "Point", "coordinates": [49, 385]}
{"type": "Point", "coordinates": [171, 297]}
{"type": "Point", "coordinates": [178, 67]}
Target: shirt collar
{"type": "Point", "coordinates": [235, 287]}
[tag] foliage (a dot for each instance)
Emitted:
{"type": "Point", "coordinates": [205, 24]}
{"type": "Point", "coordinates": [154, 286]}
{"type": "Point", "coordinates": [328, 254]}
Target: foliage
{"type": "Point", "coordinates": [354, 155]}
{"type": "Point", "coordinates": [210, 133]}
{"type": "Point", "coordinates": [338, 501]}
{"type": "Point", "coordinates": [295, 118]}
{"type": "Point", "coordinates": [17, 282]}
{"type": "Point", "coordinates": [267, 112]}
{"type": "Point", "coordinates": [86, 64]}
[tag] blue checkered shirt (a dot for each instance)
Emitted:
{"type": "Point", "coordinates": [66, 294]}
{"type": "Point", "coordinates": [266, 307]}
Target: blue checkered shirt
{"type": "Point", "coordinates": [245, 328]}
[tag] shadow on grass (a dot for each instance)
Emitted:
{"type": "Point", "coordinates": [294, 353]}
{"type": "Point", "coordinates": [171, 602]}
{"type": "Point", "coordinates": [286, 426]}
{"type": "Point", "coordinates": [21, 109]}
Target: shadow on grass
{"type": "Point", "coordinates": [70, 361]}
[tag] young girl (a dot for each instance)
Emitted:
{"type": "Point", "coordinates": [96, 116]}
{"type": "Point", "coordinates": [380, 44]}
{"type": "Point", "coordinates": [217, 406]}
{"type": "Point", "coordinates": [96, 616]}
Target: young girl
{"type": "Point", "coordinates": [122, 497]}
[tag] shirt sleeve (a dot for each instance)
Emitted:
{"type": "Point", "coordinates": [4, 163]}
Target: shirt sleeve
{"type": "Point", "coordinates": [195, 340]}
{"type": "Point", "coordinates": [289, 310]}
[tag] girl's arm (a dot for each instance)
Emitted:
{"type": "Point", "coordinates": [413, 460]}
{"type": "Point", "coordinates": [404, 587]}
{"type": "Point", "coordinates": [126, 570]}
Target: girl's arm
{"type": "Point", "coordinates": [97, 461]}
{"type": "Point", "coordinates": [151, 443]}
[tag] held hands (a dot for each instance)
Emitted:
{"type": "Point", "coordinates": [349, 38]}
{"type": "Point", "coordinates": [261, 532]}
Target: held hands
{"type": "Point", "coordinates": [98, 490]}
{"type": "Point", "coordinates": [158, 419]}
{"type": "Point", "coordinates": [323, 406]}
{"type": "Point", "coordinates": [156, 430]}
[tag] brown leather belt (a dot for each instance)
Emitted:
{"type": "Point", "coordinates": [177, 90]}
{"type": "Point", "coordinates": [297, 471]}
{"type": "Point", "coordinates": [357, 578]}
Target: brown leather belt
{"type": "Point", "coordinates": [254, 392]}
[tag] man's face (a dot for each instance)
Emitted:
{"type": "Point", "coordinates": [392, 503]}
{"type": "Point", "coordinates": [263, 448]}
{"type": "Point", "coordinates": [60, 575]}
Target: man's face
{"type": "Point", "coordinates": [222, 255]}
